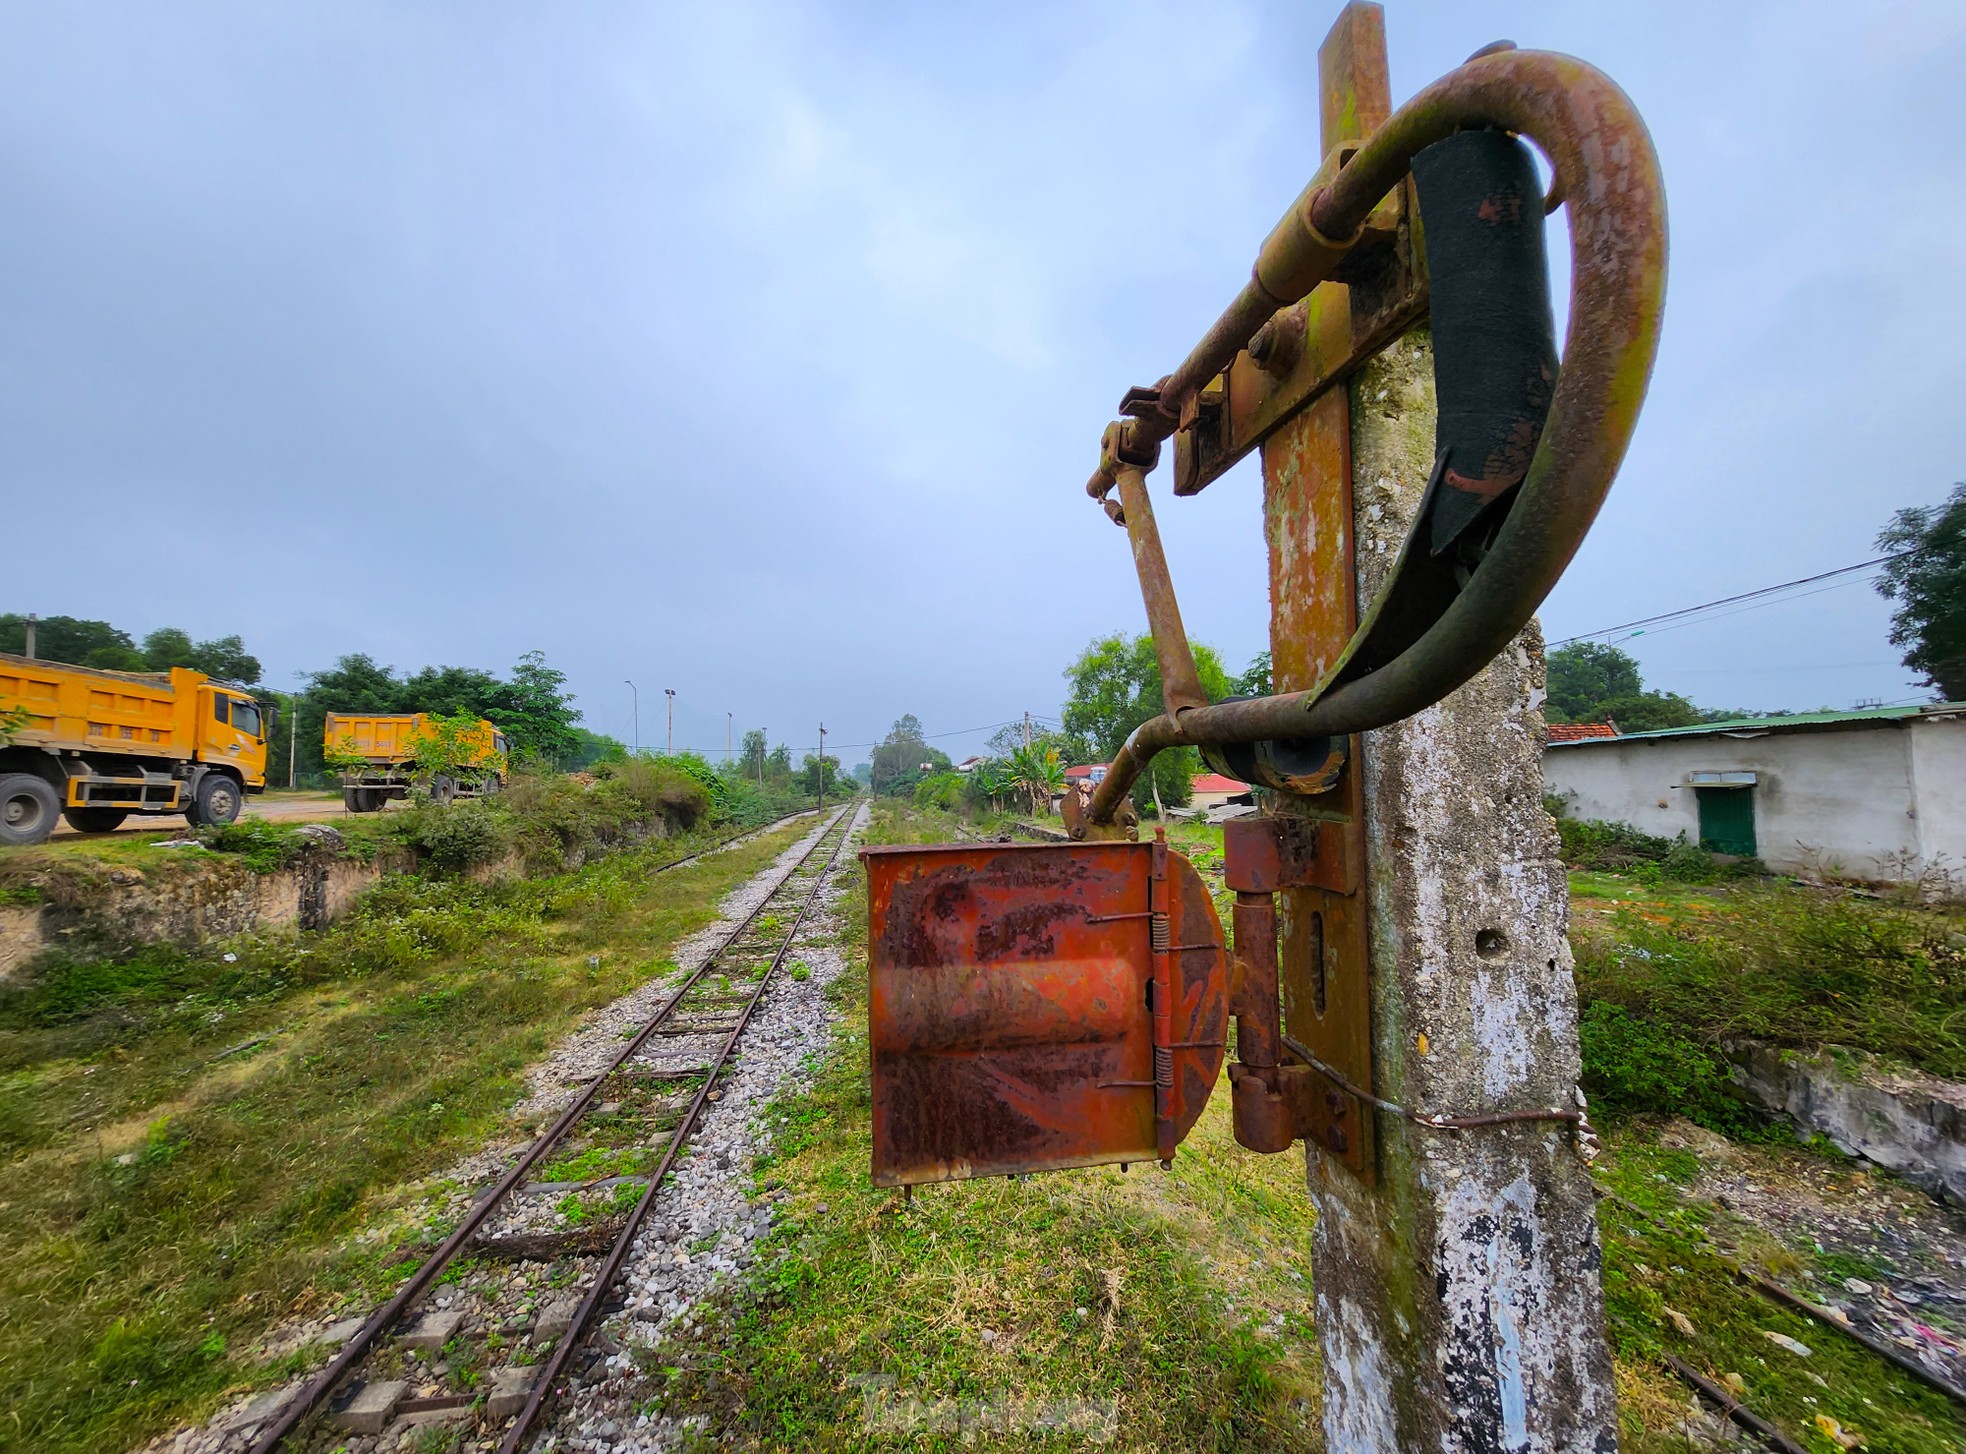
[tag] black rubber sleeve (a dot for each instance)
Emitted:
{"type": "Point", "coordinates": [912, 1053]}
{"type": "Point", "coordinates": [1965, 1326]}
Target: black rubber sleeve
{"type": "Point", "coordinates": [1495, 361]}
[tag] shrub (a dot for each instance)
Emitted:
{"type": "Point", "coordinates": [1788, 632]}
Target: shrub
{"type": "Point", "coordinates": [1794, 967]}
{"type": "Point", "coordinates": [1634, 1063]}
{"type": "Point", "coordinates": [265, 847]}
{"type": "Point", "coordinates": [679, 788]}
{"type": "Point", "coordinates": [1592, 843]}
{"type": "Point", "coordinates": [459, 836]}
{"type": "Point", "coordinates": [942, 790]}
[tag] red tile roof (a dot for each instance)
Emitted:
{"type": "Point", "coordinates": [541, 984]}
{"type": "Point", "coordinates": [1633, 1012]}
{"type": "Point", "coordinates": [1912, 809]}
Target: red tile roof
{"type": "Point", "coordinates": [1214, 782]}
{"type": "Point", "coordinates": [1084, 769]}
{"type": "Point", "coordinates": [1578, 731]}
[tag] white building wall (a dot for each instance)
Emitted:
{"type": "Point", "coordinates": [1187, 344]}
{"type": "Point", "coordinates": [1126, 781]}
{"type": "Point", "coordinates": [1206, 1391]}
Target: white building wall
{"type": "Point", "coordinates": [1938, 755]}
{"type": "Point", "coordinates": [1845, 800]}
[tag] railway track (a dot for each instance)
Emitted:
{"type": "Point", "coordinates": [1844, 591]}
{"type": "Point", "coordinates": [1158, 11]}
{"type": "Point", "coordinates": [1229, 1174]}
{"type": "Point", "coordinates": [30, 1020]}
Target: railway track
{"type": "Point", "coordinates": [649, 1112]}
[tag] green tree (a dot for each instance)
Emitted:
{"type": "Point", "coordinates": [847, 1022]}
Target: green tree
{"type": "Point", "coordinates": [752, 752]}
{"type": "Point", "coordinates": [817, 772]}
{"type": "Point", "coordinates": [453, 689]}
{"type": "Point", "coordinates": [1648, 712]}
{"type": "Point", "coordinates": [73, 640]}
{"type": "Point", "coordinates": [1115, 686]}
{"type": "Point", "coordinates": [1584, 675]}
{"type": "Point", "coordinates": [1255, 678]}
{"type": "Point", "coordinates": [1037, 772]}
{"type": "Point", "coordinates": [778, 767]}
{"type": "Point", "coordinates": [904, 758]}
{"type": "Point", "coordinates": [225, 658]}
{"type": "Point", "coordinates": [1589, 682]}
{"type": "Point", "coordinates": [1927, 579]}
{"type": "Point", "coordinates": [538, 717]}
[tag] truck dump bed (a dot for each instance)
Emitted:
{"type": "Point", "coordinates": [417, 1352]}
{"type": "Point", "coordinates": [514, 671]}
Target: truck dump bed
{"type": "Point", "coordinates": [389, 739]}
{"type": "Point", "coordinates": [80, 708]}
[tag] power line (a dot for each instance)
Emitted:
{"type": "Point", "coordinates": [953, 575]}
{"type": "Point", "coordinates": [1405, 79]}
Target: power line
{"type": "Point", "coordinates": [1642, 624]}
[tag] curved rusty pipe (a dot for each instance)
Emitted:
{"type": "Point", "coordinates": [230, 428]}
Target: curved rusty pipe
{"type": "Point", "coordinates": [1608, 175]}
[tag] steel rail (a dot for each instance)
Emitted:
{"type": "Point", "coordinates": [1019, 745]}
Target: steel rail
{"type": "Point", "coordinates": [1607, 174]}
{"type": "Point", "coordinates": [603, 1283]}
{"type": "Point", "coordinates": [384, 1318]}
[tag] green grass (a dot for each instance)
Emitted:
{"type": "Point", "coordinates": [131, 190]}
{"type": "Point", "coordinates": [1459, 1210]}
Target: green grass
{"type": "Point", "coordinates": [199, 1149]}
{"type": "Point", "coordinates": [1665, 1259]}
{"type": "Point", "coordinates": [1794, 966]}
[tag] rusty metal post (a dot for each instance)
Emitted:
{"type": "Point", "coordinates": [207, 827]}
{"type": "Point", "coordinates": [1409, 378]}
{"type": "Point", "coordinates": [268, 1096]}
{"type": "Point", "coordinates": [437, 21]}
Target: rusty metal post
{"type": "Point", "coordinates": [1458, 1297]}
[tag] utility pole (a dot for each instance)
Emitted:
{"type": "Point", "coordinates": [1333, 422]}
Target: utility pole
{"type": "Point", "coordinates": [730, 737]}
{"type": "Point", "coordinates": [822, 767]}
{"type": "Point", "coordinates": [32, 621]}
{"type": "Point", "coordinates": [672, 721]}
{"type": "Point", "coordinates": [293, 740]}
{"type": "Point", "coordinates": [638, 719]}
{"type": "Point", "coordinates": [1027, 730]}
{"type": "Point", "coordinates": [764, 738]}
{"type": "Point", "coordinates": [1459, 1306]}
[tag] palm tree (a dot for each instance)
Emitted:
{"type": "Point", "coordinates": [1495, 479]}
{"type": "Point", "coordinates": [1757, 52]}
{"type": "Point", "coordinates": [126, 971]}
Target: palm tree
{"type": "Point", "coordinates": [1038, 771]}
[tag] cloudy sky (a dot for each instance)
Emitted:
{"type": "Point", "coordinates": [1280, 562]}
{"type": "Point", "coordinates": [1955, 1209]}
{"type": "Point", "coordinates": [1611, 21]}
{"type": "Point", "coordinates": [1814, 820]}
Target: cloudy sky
{"type": "Point", "coordinates": [760, 351]}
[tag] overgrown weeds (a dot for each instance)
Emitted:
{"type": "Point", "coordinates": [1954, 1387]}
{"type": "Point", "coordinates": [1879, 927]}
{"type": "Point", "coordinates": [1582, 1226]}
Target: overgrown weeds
{"type": "Point", "coordinates": [1591, 843]}
{"type": "Point", "coordinates": [1788, 965]}
{"type": "Point", "coordinates": [196, 1139]}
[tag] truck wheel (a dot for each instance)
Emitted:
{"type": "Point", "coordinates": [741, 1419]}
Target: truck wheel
{"type": "Point", "coordinates": [29, 806]}
{"type": "Point", "coordinates": [217, 801]}
{"type": "Point", "coordinates": [372, 800]}
{"type": "Point", "coordinates": [442, 789]}
{"type": "Point", "coordinates": [352, 800]}
{"type": "Point", "coordinates": [94, 820]}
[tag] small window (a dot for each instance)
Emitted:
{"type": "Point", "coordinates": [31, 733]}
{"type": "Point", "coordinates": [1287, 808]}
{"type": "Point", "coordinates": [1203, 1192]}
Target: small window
{"type": "Point", "coordinates": [218, 706]}
{"type": "Point", "coordinates": [245, 716]}
{"type": "Point", "coordinates": [498, 742]}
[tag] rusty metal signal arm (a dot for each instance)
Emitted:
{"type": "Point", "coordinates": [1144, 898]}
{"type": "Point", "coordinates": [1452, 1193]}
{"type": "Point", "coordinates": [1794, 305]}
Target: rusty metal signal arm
{"type": "Point", "coordinates": [1039, 1007]}
{"type": "Point", "coordinates": [1525, 452]}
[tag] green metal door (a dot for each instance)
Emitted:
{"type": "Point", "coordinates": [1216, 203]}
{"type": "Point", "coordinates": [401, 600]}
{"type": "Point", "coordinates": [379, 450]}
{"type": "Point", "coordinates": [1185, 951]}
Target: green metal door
{"type": "Point", "coordinates": [1727, 820]}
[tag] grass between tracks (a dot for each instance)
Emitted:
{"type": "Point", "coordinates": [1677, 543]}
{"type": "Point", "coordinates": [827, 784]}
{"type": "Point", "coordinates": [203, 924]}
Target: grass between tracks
{"type": "Point", "coordinates": [198, 1141]}
{"type": "Point", "coordinates": [1159, 1311]}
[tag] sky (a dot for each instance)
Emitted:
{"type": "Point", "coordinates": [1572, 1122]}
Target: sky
{"type": "Point", "coordinates": [759, 352]}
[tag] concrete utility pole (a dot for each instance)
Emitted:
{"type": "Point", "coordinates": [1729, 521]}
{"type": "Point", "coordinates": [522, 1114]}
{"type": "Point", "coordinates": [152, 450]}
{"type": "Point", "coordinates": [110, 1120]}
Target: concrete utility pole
{"type": "Point", "coordinates": [730, 737]}
{"type": "Point", "coordinates": [293, 740]}
{"type": "Point", "coordinates": [670, 751]}
{"type": "Point", "coordinates": [822, 767]}
{"type": "Point", "coordinates": [638, 719]}
{"type": "Point", "coordinates": [1027, 730]}
{"type": "Point", "coordinates": [32, 621]}
{"type": "Point", "coordinates": [764, 740]}
{"type": "Point", "coordinates": [1458, 1298]}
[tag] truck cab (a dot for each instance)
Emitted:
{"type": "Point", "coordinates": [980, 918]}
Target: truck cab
{"type": "Point", "coordinates": [233, 729]}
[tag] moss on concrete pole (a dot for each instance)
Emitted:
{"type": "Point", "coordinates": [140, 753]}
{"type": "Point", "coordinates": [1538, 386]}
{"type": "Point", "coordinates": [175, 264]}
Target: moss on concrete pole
{"type": "Point", "coordinates": [1459, 1304]}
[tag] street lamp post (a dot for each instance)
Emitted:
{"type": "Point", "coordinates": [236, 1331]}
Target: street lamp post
{"type": "Point", "coordinates": [638, 718]}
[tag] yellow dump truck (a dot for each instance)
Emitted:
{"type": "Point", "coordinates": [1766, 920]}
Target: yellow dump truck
{"type": "Point", "coordinates": [96, 746]}
{"type": "Point", "coordinates": [390, 767]}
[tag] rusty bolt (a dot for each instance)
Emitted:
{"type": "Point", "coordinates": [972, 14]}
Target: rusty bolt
{"type": "Point", "coordinates": [1279, 343]}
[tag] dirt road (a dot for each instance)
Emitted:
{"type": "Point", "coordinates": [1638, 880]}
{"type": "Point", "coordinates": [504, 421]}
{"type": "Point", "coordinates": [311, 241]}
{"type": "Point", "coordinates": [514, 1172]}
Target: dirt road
{"type": "Point", "coordinates": [280, 807]}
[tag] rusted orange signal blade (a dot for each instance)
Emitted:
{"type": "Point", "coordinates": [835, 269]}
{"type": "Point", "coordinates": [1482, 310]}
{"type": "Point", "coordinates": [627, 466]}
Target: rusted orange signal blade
{"type": "Point", "coordinates": [1038, 1006]}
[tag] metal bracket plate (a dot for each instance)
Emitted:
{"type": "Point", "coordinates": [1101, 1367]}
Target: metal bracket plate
{"type": "Point", "coordinates": [1038, 1006]}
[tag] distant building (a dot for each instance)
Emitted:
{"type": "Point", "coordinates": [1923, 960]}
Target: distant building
{"type": "Point", "coordinates": [1212, 790]}
{"type": "Point", "coordinates": [1088, 772]}
{"type": "Point", "coordinates": [970, 764]}
{"type": "Point", "coordinates": [1877, 794]}
{"type": "Point", "coordinates": [1578, 731]}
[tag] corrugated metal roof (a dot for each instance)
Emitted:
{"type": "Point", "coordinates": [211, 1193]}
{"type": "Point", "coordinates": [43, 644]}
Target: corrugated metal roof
{"type": "Point", "coordinates": [1790, 722]}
